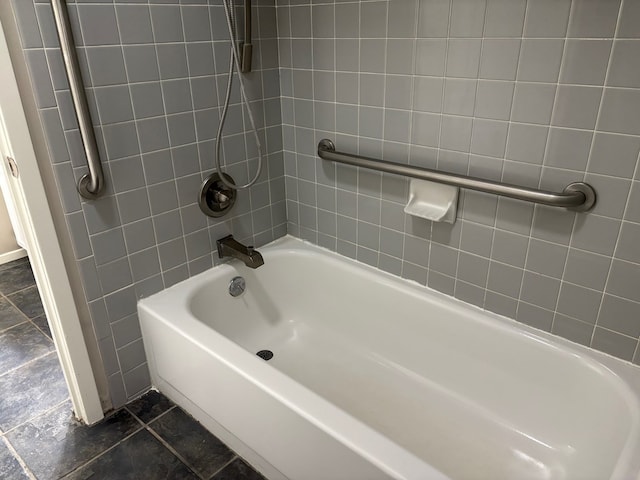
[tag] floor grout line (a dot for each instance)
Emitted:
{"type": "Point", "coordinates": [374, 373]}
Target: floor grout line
{"type": "Point", "coordinates": [235, 457]}
{"type": "Point", "coordinates": [41, 414]}
{"type": "Point", "coordinates": [33, 360]}
{"type": "Point", "coordinates": [126, 407]}
{"type": "Point", "coordinates": [169, 447]}
{"type": "Point", "coordinates": [79, 467]}
{"type": "Point", "coordinates": [16, 455]}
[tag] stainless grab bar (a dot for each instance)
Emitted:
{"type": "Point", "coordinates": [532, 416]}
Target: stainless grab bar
{"type": "Point", "coordinates": [577, 196]}
{"type": "Point", "coordinates": [91, 184]}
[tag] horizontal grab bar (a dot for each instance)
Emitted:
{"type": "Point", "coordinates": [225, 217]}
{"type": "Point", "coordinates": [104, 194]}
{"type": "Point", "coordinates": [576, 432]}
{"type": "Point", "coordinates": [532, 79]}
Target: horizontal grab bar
{"type": "Point", "coordinates": [577, 196]}
{"type": "Point", "coordinates": [91, 184]}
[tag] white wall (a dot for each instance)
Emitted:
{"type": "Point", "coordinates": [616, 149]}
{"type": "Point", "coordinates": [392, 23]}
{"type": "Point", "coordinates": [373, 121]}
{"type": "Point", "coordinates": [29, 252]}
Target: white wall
{"type": "Point", "coordinates": [7, 238]}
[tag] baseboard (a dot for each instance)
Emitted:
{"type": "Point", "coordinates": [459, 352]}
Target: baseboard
{"type": "Point", "coordinates": [12, 255]}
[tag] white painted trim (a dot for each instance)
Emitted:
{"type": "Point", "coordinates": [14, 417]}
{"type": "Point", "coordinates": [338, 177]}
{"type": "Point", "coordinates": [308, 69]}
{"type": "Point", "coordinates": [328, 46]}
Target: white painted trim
{"type": "Point", "coordinates": [44, 250]}
{"type": "Point", "coordinates": [12, 255]}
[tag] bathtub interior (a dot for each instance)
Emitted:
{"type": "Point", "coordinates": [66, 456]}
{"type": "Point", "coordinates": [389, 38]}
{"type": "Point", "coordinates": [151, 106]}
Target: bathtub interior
{"type": "Point", "coordinates": [460, 392]}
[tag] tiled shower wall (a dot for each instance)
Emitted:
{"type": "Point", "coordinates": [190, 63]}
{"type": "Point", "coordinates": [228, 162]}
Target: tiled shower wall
{"type": "Point", "coordinates": [156, 74]}
{"type": "Point", "coordinates": [540, 93]}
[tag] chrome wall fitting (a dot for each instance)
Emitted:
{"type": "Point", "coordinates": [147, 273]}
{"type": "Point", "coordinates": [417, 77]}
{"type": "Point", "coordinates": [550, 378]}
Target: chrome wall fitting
{"type": "Point", "coordinates": [215, 199]}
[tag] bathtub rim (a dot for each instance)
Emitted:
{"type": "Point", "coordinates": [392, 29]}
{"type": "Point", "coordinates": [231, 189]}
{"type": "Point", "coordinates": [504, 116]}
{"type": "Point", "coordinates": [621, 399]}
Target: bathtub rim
{"type": "Point", "coordinates": [620, 374]}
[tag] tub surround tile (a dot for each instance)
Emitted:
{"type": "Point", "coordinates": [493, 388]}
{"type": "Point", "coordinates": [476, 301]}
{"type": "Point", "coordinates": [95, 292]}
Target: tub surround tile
{"type": "Point", "coordinates": [203, 452]}
{"type": "Point", "coordinates": [21, 344]}
{"type": "Point", "coordinates": [54, 444]}
{"type": "Point", "coordinates": [32, 389]}
{"type": "Point", "coordinates": [534, 77]}
{"type": "Point", "coordinates": [158, 87]}
{"type": "Point", "coordinates": [140, 456]}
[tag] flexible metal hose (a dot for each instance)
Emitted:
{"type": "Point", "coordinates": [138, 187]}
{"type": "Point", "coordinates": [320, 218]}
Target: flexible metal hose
{"type": "Point", "coordinates": [234, 63]}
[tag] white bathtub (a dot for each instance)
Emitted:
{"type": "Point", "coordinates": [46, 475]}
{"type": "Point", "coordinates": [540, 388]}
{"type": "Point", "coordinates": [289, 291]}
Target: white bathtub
{"type": "Point", "coordinates": [376, 377]}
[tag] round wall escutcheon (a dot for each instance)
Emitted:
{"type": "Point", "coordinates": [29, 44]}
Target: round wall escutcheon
{"type": "Point", "coordinates": [215, 198]}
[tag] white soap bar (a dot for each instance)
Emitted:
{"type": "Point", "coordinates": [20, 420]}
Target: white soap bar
{"type": "Point", "coordinates": [433, 201]}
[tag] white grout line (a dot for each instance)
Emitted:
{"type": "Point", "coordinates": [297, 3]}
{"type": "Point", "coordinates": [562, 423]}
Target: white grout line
{"type": "Point", "coordinates": [613, 255]}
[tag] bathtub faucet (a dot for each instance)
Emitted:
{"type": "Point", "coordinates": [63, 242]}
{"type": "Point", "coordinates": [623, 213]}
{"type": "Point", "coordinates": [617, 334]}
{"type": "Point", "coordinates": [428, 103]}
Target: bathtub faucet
{"type": "Point", "coordinates": [230, 247]}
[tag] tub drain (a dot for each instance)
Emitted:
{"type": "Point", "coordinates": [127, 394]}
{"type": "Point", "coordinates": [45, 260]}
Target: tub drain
{"type": "Point", "coordinates": [265, 354]}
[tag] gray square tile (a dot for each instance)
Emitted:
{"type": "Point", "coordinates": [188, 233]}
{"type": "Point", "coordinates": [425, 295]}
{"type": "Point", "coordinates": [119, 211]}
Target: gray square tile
{"type": "Point", "coordinates": [595, 234]}
{"type": "Point", "coordinates": [576, 106]}
{"type": "Point", "coordinates": [539, 290]}
{"type": "Point", "coordinates": [568, 148]}
{"type": "Point", "coordinates": [504, 18]}
{"type": "Point", "coordinates": [505, 279]}
{"type": "Point", "coordinates": [547, 18]}
{"type": "Point", "coordinates": [572, 329]}
{"type": "Point", "coordinates": [463, 58]}
{"type": "Point", "coordinates": [489, 137]}
{"type": "Point", "coordinates": [134, 22]}
{"type": "Point", "coordinates": [629, 21]}
{"type": "Point", "coordinates": [172, 60]}
{"type": "Point", "coordinates": [167, 23]}
{"type": "Point", "coordinates": [613, 343]}
{"type": "Point", "coordinates": [535, 316]}
{"type": "Point", "coordinates": [467, 18]}
{"type": "Point", "coordinates": [533, 103]}
{"type": "Point", "coordinates": [587, 269]}
{"type": "Point", "coordinates": [623, 280]}
{"type": "Point", "coordinates": [493, 100]}
{"type": "Point", "coordinates": [459, 96]}
{"type": "Point", "coordinates": [620, 315]}
{"type": "Point", "coordinates": [620, 111]}
{"type": "Point", "coordinates": [593, 19]}
{"type": "Point", "coordinates": [142, 63]}
{"type": "Point", "coordinates": [433, 18]}
{"type": "Point", "coordinates": [499, 59]}
{"type": "Point", "coordinates": [107, 65]}
{"type": "Point", "coordinates": [99, 26]}
{"type": "Point", "coordinates": [472, 269]}
{"type": "Point", "coordinates": [585, 61]}
{"type": "Point", "coordinates": [108, 246]}
{"type": "Point", "coordinates": [540, 60]}
{"type": "Point", "coordinates": [430, 57]}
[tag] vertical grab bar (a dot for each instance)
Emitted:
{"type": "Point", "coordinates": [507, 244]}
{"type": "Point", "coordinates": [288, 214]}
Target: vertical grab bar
{"type": "Point", "coordinates": [91, 184]}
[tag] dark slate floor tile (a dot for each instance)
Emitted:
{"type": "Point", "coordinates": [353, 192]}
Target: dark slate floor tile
{"type": "Point", "coordinates": [21, 344]}
{"type": "Point", "coordinates": [149, 406]}
{"type": "Point", "coordinates": [238, 470]}
{"type": "Point", "coordinates": [54, 444]}
{"type": "Point", "coordinates": [16, 278]}
{"type": "Point", "coordinates": [28, 301]}
{"type": "Point", "coordinates": [140, 457]}
{"type": "Point", "coordinates": [43, 324]}
{"type": "Point", "coordinates": [9, 466]}
{"type": "Point", "coordinates": [203, 452]}
{"type": "Point", "coordinates": [9, 315]}
{"type": "Point", "coordinates": [31, 390]}
{"type": "Point", "coordinates": [14, 263]}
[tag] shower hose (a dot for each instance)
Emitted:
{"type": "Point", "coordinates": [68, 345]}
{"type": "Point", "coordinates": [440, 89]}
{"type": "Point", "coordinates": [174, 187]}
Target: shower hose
{"type": "Point", "coordinates": [234, 64]}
